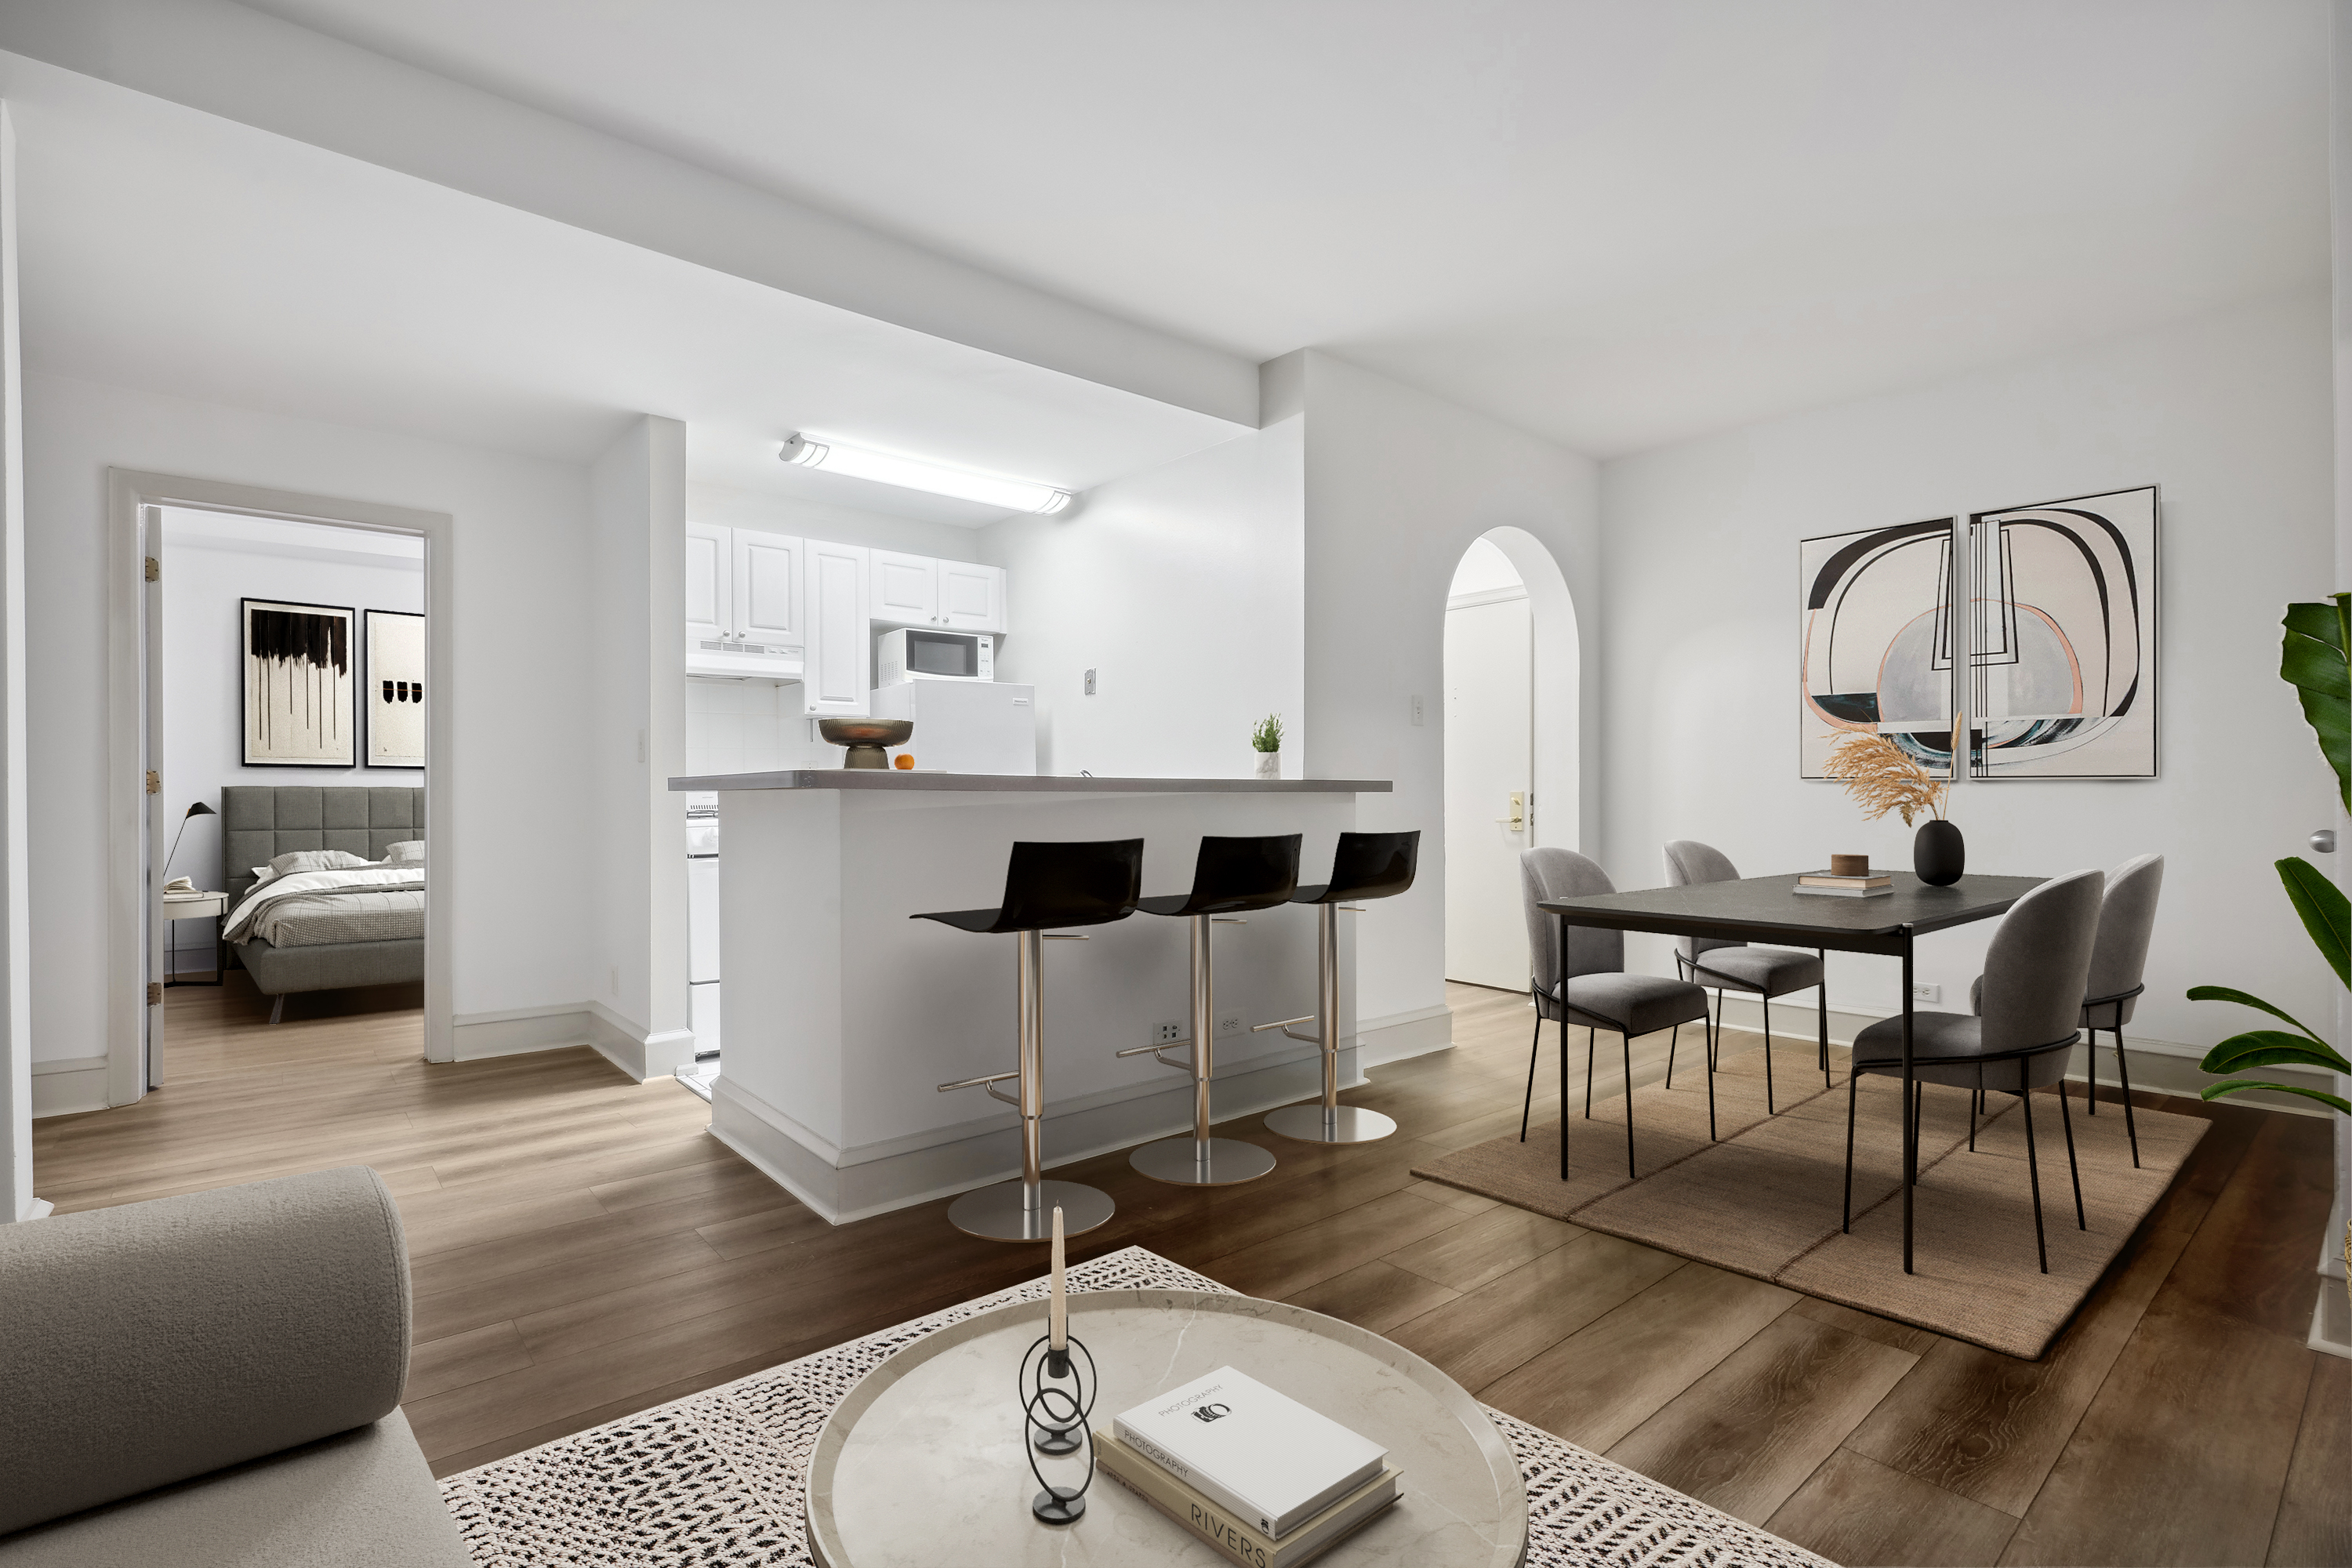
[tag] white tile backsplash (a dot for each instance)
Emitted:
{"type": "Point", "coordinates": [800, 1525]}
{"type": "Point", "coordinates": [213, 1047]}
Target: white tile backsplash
{"type": "Point", "coordinates": [740, 726]}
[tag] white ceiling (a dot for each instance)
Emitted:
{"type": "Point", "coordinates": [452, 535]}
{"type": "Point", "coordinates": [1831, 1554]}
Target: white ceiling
{"type": "Point", "coordinates": [167, 249]}
{"type": "Point", "coordinates": [1614, 222]}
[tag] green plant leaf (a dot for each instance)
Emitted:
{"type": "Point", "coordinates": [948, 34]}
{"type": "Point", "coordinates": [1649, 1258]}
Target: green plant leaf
{"type": "Point", "coordinates": [2271, 1047]}
{"type": "Point", "coordinates": [2312, 659]}
{"type": "Point", "coordinates": [2224, 994]}
{"type": "Point", "coordinates": [2240, 1085]}
{"type": "Point", "coordinates": [2327, 913]}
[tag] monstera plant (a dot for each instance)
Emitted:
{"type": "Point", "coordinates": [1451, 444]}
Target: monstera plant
{"type": "Point", "coordinates": [2313, 662]}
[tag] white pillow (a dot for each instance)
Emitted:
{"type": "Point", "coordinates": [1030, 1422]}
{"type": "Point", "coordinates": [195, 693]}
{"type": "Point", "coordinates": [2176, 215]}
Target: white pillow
{"type": "Point", "coordinates": [294, 862]}
{"type": "Point", "coordinates": [407, 852]}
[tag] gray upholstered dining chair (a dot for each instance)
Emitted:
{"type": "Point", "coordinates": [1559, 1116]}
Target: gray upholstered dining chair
{"type": "Point", "coordinates": [1761, 972]}
{"type": "Point", "coordinates": [2119, 965]}
{"type": "Point", "coordinates": [2035, 974]}
{"type": "Point", "coordinates": [1587, 985]}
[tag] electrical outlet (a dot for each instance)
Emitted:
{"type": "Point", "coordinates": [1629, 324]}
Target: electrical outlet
{"type": "Point", "coordinates": [1922, 992]}
{"type": "Point", "coordinates": [1416, 711]}
{"type": "Point", "coordinates": [1090, 683]}
{"type": "Point", "coordinates": [1230, 1023]}
{"type": "Point", "coordinates": [1166, 1034]}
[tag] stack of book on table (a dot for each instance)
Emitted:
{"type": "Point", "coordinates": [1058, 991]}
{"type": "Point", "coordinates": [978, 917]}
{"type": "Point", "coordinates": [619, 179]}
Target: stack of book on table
{"type": "Point", "coordinates": [1866, 886]}
{"type": "Point", "coordinates": [1254, 1474]}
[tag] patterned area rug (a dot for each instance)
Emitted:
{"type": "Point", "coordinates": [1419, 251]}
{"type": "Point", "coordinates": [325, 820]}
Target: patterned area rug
{"type": "Point", "coordinates": [716, 1477]}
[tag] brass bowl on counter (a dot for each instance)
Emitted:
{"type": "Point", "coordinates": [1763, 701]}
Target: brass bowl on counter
{"type": "Point", "coordinates": [866, 739]}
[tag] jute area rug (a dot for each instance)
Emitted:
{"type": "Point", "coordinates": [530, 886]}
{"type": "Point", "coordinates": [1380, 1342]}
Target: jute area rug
{"type": "Point", "coordinates": [716, 1477]}
{"type": "Point", "coordinates": [1763, 1200]}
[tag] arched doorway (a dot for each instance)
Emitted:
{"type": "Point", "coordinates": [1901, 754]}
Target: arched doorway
{"type": "Point", "coordinates": [1512, 719]}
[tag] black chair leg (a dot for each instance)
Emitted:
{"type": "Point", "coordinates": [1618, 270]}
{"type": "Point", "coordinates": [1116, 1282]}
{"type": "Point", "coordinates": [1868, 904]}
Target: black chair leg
{"type": "Point", "coordinates": [1627, 1040]}
{"type": "Point", "coordinates": [1529, 1105]}
{"type": "Point", "coordinates": [1976, 1101]}
{"type": "Point", "coordinates": [1672, 1041]}
{"type": "Point", "coordinates": [2067, 1121]}
{"type": "Point", "coordinates": [1767, 1056]}
{"type": "Point", "coordinates": [1563, 1095]}
{"type": "Point", "coordinates": [1822, 994]}
{"type": "Point", "coordinates": [1846, 1222]}
{"type": "Point", "coordinates": [2122, 1072]}
{"type": "Point", "coordinates": [2034, 1175]}
{"type": "Point", "coordinates": [1588, 1075]}
{"type": "Point", "coordinates": [2090, 1074]}
{"type": "Point", "coordinates": [1710, 1074]}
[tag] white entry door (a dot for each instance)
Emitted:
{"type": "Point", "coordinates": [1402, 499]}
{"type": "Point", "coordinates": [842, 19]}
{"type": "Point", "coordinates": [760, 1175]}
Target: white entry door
{"type": "Point", "coordinates": [1489, 734]}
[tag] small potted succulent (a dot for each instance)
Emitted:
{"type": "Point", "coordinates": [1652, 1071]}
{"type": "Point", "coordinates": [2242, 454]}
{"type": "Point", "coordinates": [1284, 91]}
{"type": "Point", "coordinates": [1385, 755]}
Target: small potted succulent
{"type": "Point", "coordinates": [1266, 741]}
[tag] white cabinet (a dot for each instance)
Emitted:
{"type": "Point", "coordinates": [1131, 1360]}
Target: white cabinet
{"type": "Point", "coordinates": [905, 588]}
{"type": "Point", "coordinates": [709, 597]}
{"type": "Point", "coordinates": [970, 597]}
{"type": "Point", "coordinates": [834, 611]}
{"type": "Point", "coordinates": [768, 587]}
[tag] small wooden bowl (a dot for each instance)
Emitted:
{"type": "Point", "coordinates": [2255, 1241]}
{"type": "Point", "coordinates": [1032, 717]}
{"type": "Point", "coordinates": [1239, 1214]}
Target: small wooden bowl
{"type": "Point", "coordinates": [1850, 865]}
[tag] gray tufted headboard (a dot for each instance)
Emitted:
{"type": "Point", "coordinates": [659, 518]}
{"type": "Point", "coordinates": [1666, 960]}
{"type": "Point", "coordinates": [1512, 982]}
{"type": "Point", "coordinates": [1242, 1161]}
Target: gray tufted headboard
{"type": "Point", "coordinates": [260, 822]}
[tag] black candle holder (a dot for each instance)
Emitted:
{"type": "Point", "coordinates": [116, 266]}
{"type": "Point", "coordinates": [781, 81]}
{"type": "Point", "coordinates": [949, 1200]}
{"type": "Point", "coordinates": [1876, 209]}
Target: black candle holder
{"type": "Point", "coordinates": [1055, 1419]}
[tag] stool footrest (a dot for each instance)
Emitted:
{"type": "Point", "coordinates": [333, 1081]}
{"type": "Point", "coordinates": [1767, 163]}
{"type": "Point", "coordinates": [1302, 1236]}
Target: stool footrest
{"type": "Point", "coordinates": [978, 1082]}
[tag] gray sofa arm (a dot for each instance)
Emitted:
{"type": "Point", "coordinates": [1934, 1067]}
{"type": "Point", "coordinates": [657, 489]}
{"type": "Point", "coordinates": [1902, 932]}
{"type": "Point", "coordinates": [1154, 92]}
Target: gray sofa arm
{"type": "Point", "coordinates": [159, 1340]}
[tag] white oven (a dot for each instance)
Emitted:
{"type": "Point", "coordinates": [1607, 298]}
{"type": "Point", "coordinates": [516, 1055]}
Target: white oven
{"type": "Point", "coordinates": [913, 653]}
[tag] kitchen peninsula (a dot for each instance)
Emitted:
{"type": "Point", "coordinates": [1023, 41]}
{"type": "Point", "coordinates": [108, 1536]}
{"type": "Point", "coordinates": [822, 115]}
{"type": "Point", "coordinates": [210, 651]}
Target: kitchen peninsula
{"type": "Point", "coordinates": [843, 1013]}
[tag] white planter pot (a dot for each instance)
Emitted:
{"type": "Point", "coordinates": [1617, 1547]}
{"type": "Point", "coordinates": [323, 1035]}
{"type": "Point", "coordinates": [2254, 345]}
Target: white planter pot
{"type": "Point", "coordinates": [1269, 764]}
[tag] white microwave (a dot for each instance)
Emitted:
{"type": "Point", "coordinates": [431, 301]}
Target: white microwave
{"type": "Point", "coordinates": [915, 654]}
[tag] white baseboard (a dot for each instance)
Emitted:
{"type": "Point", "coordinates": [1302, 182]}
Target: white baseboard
{"type": "Point", "coordinates": [68, 1085]}
{"type": "Point", "coordinates": [41, 1209]}
{"type": "Point", "coordinates": [1398, 1036]}
{"type": "Point", "coordinates": [846, 1185]}
{"type": "Point", "coordinates": [640, 1054]}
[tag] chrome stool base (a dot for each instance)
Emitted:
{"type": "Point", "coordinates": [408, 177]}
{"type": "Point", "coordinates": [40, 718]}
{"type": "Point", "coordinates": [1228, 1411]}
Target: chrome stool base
{"type": "Point", "coordinates": [1185, 1162]}
{"type": "Point", "coordinates": [1316, 1122]}
{"type": "Point", "coordinates": [999, 1214]}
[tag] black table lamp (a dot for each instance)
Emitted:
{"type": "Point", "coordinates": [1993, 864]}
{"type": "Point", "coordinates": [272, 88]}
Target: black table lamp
{"type": "Point", "coordinates": [199, 809]}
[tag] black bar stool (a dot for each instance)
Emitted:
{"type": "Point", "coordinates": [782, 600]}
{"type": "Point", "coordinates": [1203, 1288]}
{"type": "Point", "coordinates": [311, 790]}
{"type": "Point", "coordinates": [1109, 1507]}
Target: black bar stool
{"type": "Point", "coordinates": [1364, 866]}
{"type": "Point", "coordinates": [1048, 888]}
{"type": "Point", "coordinates": [1231, 877]}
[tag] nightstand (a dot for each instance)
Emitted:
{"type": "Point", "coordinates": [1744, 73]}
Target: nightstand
{"type": "Point", "coordinates": [196, 907]}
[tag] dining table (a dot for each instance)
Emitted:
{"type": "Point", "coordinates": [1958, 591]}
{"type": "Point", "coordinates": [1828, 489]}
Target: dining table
{"type": "Point", "coordinates": [1770, 909]}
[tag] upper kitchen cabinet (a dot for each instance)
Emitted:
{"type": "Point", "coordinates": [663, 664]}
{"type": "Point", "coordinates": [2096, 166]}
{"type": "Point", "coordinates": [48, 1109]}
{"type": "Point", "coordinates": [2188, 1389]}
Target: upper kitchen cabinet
{"type": "Point", "coordinates": [767, 586]}
{"type": "Point", "coordinates": [905, 588]}
{"type": "Point", "coordinates": [743, 592]}
{"type": "Point", "coordinates": [920, 591]}
{"type": "Point", "coordinates": [833, 609]}
{"type": "Point", "coordinates": [972, 598]}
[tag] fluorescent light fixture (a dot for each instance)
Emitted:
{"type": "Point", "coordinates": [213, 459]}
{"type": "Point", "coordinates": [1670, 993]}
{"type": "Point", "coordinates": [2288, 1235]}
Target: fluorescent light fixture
{"type": "Point", "coordinates": [913, 474]}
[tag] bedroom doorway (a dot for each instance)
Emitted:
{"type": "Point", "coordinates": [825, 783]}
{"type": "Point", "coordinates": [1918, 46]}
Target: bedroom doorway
{"type": "Point", "coordinates": [286, 734]}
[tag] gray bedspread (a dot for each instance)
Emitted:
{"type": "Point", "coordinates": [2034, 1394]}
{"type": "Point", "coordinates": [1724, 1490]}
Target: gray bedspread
{"type": "Point", "coordinates": [315, 920]}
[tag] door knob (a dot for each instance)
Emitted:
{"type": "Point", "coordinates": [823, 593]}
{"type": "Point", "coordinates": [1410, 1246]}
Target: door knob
{"type": "Point", "coordinates": [2324, 841]}
{"type": "Point", "coordinates": [1517, 820]}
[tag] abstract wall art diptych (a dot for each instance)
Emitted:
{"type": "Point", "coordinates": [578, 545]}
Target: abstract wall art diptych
{"type": "Point", "coordinates": [1875, 642]}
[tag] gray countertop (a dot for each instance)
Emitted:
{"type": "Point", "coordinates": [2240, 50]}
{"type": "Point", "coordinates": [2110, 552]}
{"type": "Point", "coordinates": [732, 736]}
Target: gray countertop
{"type": "Point", "coordinates": [1022, 784]}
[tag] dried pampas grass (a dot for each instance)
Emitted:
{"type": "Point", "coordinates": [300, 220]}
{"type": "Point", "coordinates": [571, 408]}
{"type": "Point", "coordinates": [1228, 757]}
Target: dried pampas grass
{"type": "Point", "coordinates": [1882, 777]}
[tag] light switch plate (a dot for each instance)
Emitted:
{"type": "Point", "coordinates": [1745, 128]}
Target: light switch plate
{"type": "Point", "coordinates": [1090, 683]}
{"type": "Point", "coordinates": [1416, 711]}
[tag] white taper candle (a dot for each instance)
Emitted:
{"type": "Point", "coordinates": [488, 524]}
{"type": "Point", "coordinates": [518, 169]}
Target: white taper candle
{"type": "Point", "coordinates": [1057, 1304]}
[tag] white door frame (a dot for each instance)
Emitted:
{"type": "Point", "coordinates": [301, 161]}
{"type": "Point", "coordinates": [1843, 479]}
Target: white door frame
{"type": "Point", "coordinates": [127, 491]}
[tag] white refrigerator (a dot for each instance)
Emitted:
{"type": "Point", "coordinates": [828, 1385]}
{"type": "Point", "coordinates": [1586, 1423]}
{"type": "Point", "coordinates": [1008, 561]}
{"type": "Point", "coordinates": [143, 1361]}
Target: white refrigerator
{"type": "Point", "coordinates": [966, 726]}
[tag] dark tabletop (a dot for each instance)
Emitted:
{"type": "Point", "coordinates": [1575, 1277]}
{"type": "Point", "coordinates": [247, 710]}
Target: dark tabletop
{"type": "Point", "coordinates": [1768, 908]}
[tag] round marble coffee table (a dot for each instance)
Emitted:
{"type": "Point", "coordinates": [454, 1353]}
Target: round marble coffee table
{"type": "Point", "coordinates": [923, 1463]}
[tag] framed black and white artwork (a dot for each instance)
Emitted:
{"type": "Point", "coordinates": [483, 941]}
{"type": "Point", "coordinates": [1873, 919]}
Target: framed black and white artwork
{"type": "Point", "coordinates": [299, 684]}
{"type": "Point", "coordinates": [1875, 642]}
{"type": "Point", "coordinates": [395, 689]}
{"type": "Point", "coordinates": [2061, 669]}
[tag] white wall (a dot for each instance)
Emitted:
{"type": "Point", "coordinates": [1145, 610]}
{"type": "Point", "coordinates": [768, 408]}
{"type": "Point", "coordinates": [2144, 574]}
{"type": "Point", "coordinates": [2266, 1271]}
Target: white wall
{"type": "Point", "coordinates": [519, 823]}
{"type": "Point", "coordinates": [1182, 588]}
{"type": "Point", "coordinates": [205, 572]}
{"type": "Point", "coordinates": [2228, 414]}
{"type": "Point", "coordinates": [1399, 483]}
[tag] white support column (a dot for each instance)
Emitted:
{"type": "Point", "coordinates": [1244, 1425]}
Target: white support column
{"type": "Point", "coordinates": [17, 1200]}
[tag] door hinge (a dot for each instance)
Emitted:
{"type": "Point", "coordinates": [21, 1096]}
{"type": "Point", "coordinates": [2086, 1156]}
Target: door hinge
{"type": "Point", "coordinates": [155, 994]}
{"type": "Point", "coordinates": [154, 570]}
{"type": "Point", "coordinates": [155, 782]}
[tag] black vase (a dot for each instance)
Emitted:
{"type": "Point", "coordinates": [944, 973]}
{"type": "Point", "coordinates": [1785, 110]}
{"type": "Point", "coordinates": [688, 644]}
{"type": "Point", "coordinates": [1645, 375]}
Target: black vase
{"type": "Point", "coordinates": [1938, 854]}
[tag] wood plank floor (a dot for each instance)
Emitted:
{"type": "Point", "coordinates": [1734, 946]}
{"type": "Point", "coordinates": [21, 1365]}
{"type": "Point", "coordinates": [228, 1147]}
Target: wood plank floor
{"type": "Point", "coordinates": [582, 1249]}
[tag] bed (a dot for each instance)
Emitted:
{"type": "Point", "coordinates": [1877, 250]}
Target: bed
{"type": "Point", "coordinates": [344, 937]}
